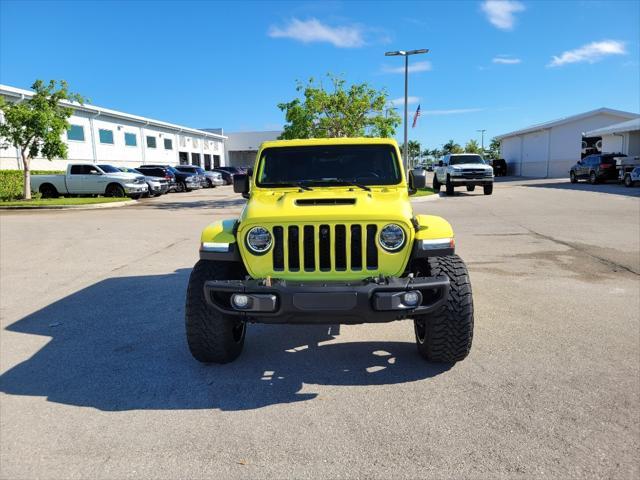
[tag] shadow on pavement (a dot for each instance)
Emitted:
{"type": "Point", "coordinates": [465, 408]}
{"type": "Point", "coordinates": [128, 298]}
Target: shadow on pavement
{"type": "Point", "coordinates": [120, 345]}
{"type": "Point", "coordinates": [610, 188]}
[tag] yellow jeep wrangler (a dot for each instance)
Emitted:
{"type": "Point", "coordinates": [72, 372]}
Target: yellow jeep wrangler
{"type": "Point", "coordinates": [328, 236]}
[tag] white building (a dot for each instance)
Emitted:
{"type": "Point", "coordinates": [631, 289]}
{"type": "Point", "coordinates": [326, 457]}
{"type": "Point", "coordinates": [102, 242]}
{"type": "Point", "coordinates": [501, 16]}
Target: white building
{"type": "Point", "coordinates": [621, 137]}
{"type": "Point", "coordinates": [549, 149]}
{"type": "Point", "coordinates": [241, 147]}
{"type": "Point", "coordinates": [101, 135]}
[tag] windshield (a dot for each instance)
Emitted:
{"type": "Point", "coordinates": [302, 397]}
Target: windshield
{"type": "Point", "coordinates": [329, 164]}
{"type": "Point", "coordinates": [460, 159]}
{"type": "Point", "coordinates": [109, 169]}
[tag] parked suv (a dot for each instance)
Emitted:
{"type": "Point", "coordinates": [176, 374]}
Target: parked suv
{"type": "Point", "coordinates": [328, 236]}
{"type": "Point", "coordinates": [157, 185]}
{"type": "Point", "coordinates": [596, 168]}
{"type": "Point", "coordinates": [159, 172]}
{"type": "Point", "coordinates": [185, 182]}
{"type": "Point", "coordinates": [463, 169]}
{"type": "Point", "coordinates": [210, 179]}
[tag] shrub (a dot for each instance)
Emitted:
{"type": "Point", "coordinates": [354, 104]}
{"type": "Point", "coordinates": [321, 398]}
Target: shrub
{"type": "Point", "coordinates": [11, 182]}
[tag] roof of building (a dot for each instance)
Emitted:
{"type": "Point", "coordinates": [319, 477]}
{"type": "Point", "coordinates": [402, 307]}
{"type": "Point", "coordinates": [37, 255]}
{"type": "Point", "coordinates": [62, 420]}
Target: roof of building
{"type": "Point", "coordinates": [572, 118]}
{"type": "Point", "coordinates": [21, 93]}
{"type": "Point", "coordinates": [622, 127]}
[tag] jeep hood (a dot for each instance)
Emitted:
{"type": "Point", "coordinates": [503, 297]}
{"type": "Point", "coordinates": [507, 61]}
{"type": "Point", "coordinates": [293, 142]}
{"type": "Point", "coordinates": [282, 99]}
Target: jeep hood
{"type": "Point", "coordinates": [333, 204]}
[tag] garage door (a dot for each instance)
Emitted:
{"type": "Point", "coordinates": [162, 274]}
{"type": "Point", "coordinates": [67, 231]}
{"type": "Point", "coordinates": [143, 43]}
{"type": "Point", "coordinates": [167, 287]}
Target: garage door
{"type": "Point", "coordinates": [535, 149]}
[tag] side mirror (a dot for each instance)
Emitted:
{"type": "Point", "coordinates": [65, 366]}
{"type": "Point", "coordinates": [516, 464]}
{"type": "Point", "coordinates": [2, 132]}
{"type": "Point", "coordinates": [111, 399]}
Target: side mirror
{"type": "Point", "coordinates": [440, 163]}
{"type": "Point", "coordinates": [241, 184]}
{"type": "Point", "coordinates": [417, 180]}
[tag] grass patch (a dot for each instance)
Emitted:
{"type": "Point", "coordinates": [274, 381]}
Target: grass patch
{"type": "Point", "coordinates": [423, 192]}
{"type": "Point", "coordinates": [62, 201]}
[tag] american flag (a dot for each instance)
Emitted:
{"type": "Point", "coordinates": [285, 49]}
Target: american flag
{"type": "Point", "coordinates": [415, 117]}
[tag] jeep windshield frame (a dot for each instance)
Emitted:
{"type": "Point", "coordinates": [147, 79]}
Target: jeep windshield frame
{"type": "Point", "coordinates": [360, 165]}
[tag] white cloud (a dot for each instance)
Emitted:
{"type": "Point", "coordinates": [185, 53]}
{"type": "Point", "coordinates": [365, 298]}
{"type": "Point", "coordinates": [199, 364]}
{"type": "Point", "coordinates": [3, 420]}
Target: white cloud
{"type": "Point", "coordinates": [501, 13]}
{"type": "Point", "coordinates": [399, 102]}
{"type": "Point", "coordinates": [590, 53]}
{"type": "Point", "coordinates": [453, 111]}
{"type": "Point", "coordinates": [423, 66]}
{"type": "Point", "coordinates": [312, 30]}
{"type": "Point", "coordinates": [506, 60]}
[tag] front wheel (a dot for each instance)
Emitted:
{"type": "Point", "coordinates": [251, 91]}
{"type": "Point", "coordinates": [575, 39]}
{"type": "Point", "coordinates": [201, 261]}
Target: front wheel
{"type": "Point", "coordinates": [436, 184]}
{"type": "Point", "coordinates": [213, 337]}
{"type": "Point", "coordinates": [449, 187]}
{"type": "Point", "coordinates": [115, 190]}
{"type": "Point", "coordinates": [627, 181]}
{"type": "Point", "coordinates": [572, 177]}
{"type": "Point", "coordinates": [592, 178]}
{"type": "Point", "coordinates": [488, 189]}
{"type": "Point", "coordinates": [446, 335]}
{"type": "Point", "coordinates": [181, 187]}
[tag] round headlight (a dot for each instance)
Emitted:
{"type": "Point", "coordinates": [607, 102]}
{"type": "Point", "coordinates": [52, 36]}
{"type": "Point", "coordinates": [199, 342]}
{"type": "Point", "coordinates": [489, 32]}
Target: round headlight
{"type": "Point", "coordinates": [259, 239]}
{"type": "Point", "coordinates": [391, 237]}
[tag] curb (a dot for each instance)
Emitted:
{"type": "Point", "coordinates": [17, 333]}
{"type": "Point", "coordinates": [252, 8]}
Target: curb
{"type": "Point", "coordinates": [95, 206]}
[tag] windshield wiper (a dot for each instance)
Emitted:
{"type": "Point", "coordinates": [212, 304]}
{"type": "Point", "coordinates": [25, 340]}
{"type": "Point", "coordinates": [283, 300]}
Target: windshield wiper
{"type": "Point", "coordinates": [299, 184]}
{"type": "Point", "coordinates": [348, 182]}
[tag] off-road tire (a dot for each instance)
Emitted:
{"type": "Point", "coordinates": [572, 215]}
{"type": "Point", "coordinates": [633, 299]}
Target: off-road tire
{"type": "Point", "coordinates": [213, 337]}
{"type": "Point", "coordinates": [436, 184]}
{"type": "Point", "coordinates": [446, 335]}
{"type": "Point", "coordinates": [593, 179]}
{"type": "Point", "coordinates": [471, 188]}
{"type": "Point", "coordinates": [488, 189]}
{"type": "Point", "coordinates": [572, 177]}
{"type": "Point", "coordinates": [449, 187]}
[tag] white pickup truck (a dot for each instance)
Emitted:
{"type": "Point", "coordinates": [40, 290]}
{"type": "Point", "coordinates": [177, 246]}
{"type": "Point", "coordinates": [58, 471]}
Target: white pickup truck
{"type": "Point", "coordinates": [463, 169]}
{"type": "Point", "coordinates": [90, 179]}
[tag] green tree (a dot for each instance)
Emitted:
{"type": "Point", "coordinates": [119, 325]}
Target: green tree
{"type": "Point", "coordinates": [472, 147]}
{"type": "Point", "coordinates": [414, 151]}
{"type": "Point", "coordinates": [35, 126]}
{"type": "Point", "coordinates": [494, 149]}
{"type": "Point", "coordinates": [354, 111]}
{"type": "Point", "coordinates": [451, 147]}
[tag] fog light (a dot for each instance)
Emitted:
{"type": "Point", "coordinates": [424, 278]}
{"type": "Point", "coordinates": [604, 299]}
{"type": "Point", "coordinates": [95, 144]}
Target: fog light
{"type": "Point", "coordinates": [412, 299]}
{"type": "Point", "coordinates": [239, 301]}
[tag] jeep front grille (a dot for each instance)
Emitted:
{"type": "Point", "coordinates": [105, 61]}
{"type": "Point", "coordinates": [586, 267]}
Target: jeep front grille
{"type": "Point", "coordinates": [325, 248]}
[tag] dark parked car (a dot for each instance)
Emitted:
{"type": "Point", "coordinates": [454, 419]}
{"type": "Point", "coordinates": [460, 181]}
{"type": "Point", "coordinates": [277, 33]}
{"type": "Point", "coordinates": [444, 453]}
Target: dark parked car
{"type": "Point", "coordinates": [157, 185]}
{"type": "Point", "coordinates": [185, 182]}
{"type": "Point", "coordinates": [226, 175]}
{"type": "Point", "coordinates": [596, 168]}
{"type": "Point", "coordinates": [161, 172]}
{"type": "Point", "coordinates": [499, 167]}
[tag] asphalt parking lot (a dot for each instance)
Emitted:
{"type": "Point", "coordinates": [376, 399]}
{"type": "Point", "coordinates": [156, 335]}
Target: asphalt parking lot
{"type": "Point", "coordinates": [97, 381]}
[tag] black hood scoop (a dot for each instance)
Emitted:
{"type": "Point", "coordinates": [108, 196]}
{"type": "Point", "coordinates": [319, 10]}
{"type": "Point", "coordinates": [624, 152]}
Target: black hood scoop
{"type": "Point", "coordinates": [325, 201]}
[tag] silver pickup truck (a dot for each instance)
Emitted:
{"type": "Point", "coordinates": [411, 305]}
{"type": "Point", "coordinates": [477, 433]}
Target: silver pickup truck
{"type": "Point", "coordinates": [90, 179]}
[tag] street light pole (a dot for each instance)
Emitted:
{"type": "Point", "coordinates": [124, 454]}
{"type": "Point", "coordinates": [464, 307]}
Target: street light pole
{"type": "Point", "coordinates": [482, 140]}
{"type": "Point", "coordinates": [405, 54]}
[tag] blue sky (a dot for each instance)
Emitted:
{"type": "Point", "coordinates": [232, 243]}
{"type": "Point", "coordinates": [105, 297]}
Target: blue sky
{"type": "Point", "coordinates": [493, 65]}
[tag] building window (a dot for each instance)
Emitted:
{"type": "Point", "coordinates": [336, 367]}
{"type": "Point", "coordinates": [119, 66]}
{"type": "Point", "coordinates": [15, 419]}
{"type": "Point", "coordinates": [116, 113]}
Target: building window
{"type": "Point", "coordinates": [151, 142]}
{"type": "Point", "coordinates": [76, 132]}
{"type": "Point", "coordinates": [205, 144]}
{"type": "Point", "coordinates": [130, 139]}
{"type": "Point", "coordinates": [195, 142]}
{"type": "Point", "coordinates": [168, 144]}
{"type": "Point", "coordinates": [183, 141]}
{"type": "Point", "coordinates": [106, 136]}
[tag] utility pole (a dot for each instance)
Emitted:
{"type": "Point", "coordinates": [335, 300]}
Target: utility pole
{"type": "Point", "coordinates": [482, 140]}
{"type": "Point", "coordinates": [405, 54]}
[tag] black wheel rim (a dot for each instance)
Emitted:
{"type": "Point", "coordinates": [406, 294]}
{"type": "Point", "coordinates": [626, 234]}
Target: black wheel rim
{"type": "Point", "coordinates": [421, 330]}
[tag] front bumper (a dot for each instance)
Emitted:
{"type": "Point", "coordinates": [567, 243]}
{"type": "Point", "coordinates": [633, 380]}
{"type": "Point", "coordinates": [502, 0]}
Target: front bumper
{"type": "Point", "coordinates": [371, 300]}
{"type": "Point", "coordinates": [136, 188]}
{"type": "Point", "coordinates": [461, 180]}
